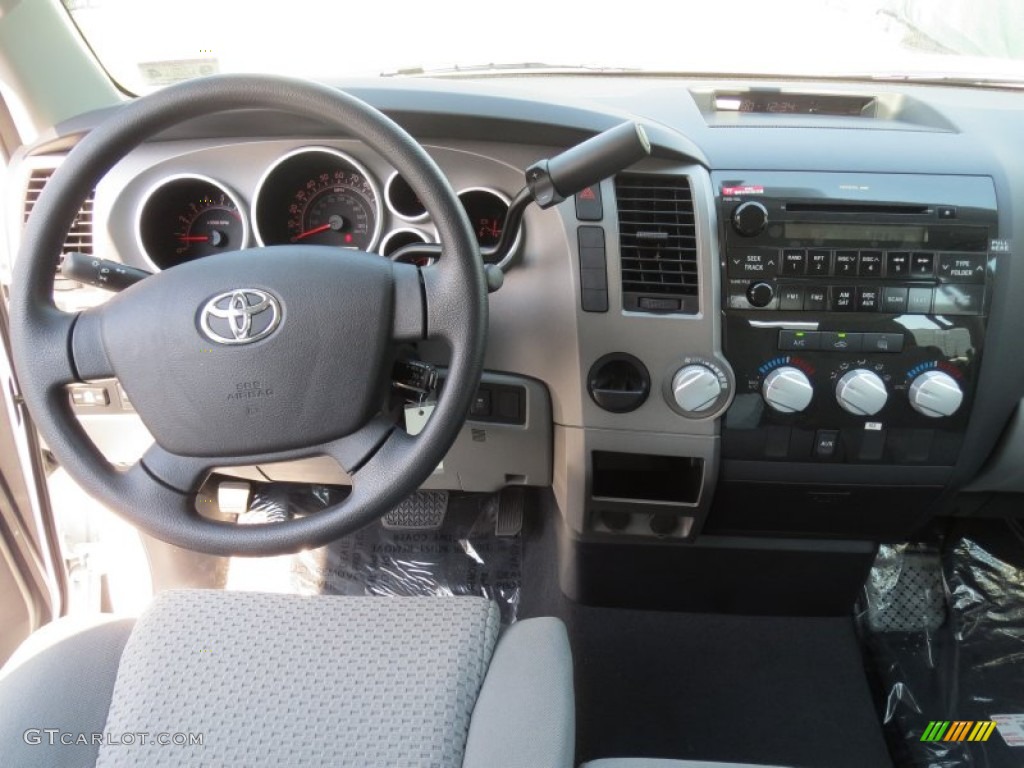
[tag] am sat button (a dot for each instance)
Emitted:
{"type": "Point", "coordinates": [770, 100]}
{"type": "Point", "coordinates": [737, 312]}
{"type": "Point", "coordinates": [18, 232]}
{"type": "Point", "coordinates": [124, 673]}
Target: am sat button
{"type": "Point", "coordinates": [842, 299]}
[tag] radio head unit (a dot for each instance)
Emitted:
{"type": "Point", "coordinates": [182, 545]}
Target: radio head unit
{"type": "Point", "coordinates": [854, 313]}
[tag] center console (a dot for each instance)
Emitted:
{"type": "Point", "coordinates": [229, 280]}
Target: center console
{"type": "Point", "coordinates": [855, 310]}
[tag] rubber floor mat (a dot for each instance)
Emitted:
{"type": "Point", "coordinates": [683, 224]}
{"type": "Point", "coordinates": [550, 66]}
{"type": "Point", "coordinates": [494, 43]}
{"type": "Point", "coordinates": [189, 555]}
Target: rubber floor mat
{"type": "Point", "coordinates": [461, 557]}
{"type": "Point", "coordinates": [945, 684]}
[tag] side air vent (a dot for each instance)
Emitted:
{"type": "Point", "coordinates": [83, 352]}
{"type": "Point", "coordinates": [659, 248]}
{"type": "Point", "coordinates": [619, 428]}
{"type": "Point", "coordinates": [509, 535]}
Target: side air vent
{"type": "Point", "coordinates": [79, 237]}
{"type": "Point", "coordinates": [658, 244]}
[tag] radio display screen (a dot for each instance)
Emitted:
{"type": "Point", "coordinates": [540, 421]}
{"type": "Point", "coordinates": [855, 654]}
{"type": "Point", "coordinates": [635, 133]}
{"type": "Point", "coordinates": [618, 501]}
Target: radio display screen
{"type": "Point", "coordinates": [898, 234]}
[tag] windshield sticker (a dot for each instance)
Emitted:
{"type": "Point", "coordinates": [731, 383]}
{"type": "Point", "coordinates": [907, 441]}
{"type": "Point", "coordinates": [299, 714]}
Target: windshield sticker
{"type": "Point", "coordinates": [748, 189]}
{"type": "Point", "coordinates": [169, 72]}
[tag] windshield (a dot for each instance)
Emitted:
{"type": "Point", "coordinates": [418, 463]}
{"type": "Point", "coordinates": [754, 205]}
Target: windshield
{"type": "Point", "coordinates": [145, 44]}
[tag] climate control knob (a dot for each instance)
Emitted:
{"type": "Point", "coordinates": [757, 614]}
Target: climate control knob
{"type": "Point", "coordinates": [749, 218]}
{"type": "Point", "coordinates": [861, 392]}
{"type": "Point", "coordinates": [787, 389]}
{"type": "Point", "coordinates": [935, 394]}
{"type": "Point", "coordinates": [696, 388]}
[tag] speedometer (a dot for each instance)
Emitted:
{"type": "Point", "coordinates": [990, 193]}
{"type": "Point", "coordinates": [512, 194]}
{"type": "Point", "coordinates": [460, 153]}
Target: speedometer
{"type": "Point", "coordinates": [318, 196]}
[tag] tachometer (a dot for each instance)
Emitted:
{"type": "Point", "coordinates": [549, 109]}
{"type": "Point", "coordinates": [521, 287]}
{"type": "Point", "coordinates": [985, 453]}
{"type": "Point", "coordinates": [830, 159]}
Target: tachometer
{"type": "Point", "coordinates": [188, 217]}
{"type": "Point", "coordinates": [318, 196]}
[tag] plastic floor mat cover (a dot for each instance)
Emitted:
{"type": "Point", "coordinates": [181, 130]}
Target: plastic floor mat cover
{"type": "Point", "coordinates": [462, 557]}
{"type": "Point", "coordinates": [969, 668]}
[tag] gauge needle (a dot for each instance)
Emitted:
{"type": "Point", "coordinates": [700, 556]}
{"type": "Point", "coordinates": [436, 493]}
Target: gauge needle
{"type": "Point", "coordinates": [314, 231]}
{"type": "Point", "coordinates": [193, 238]}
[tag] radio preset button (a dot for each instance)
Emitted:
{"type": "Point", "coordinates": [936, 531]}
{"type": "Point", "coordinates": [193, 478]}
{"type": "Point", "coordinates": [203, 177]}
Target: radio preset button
{"type": "Point", "coordinates": [870, 264]}
{"type": "Point", "coordinates": [816, 299]}
{"type": "Point", "coordinates": [897, 264]}
{"type": "Point", "coordinates": [819, 263]}
{"type": "Point", "coordinates": [922, 264]}
{"type": "Point", "coordinates": [842, 299]}
{"type": "Point", "coordinates": [846, 263]}
{"type": "Point", "coordinates": [894, 299]}
{"type": "Point", "coordinates": [794, 261]}
{"type": "Point", "coordinates": [962, 267]}
{"type": "Point", "coordinates": [919, 301]}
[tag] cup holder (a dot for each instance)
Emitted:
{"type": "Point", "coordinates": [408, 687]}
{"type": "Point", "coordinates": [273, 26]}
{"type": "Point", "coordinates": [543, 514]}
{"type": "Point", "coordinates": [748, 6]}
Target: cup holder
{"type": "Point", "coordinates": [619, 383]}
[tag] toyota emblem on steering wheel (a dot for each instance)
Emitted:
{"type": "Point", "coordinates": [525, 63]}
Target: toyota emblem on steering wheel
{"type": "Point", "coordinates": [241, 316]}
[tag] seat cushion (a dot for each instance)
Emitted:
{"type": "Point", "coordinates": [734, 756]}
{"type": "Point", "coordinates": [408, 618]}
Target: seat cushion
{"type": "Point", "coordinates": [283, 680]}
{"type": "Point", "coordinates": [60, 679]}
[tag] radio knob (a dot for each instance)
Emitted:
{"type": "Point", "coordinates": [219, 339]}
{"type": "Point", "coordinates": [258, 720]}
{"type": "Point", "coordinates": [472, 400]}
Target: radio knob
{"type": "Point", "coordinates": [935, 394]}
{"type": "Point", "coordinates": [861, 392]}
{"type": "Point", "coordinates": [787, 389]}
{"type": "Point", "coordinates": [749, 219]}
{"type": "Point", "coordinates": [760, 294]}
{"type": "Point", "coordinates": [696, 388]}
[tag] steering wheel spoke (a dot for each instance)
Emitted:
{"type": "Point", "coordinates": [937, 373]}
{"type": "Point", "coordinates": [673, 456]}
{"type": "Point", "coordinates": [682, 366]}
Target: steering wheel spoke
{"type": "Point", "coordinates": [89, 355]}
{"type": "Point", "coordinates": [353, 451]}
{"type": "Point", "coordinates": [409, 312]}
{"type": "Point", "coordinates": [183, 474]}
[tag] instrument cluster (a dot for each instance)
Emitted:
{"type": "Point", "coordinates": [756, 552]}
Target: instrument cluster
{"type": "Point", "coordinates": [313, 195]}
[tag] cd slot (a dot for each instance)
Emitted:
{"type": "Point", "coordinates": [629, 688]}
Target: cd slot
{"type": "Point", "coordinates": [840, 207]}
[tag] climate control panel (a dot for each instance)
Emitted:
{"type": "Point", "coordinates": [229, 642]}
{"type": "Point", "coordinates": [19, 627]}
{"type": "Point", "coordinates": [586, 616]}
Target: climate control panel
{"type": "Point", "coordinates": [828, 395]}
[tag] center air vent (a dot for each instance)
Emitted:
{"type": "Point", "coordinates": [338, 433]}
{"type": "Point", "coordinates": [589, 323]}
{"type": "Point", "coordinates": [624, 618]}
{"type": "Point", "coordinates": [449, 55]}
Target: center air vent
{"type": "Point", "coordinates": [658, 244]}
{"type": "Point", "coordinates": [79, 239]}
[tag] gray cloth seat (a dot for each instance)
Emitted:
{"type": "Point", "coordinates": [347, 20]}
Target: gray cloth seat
{"type": "Point", "coordinates": [263, 679]}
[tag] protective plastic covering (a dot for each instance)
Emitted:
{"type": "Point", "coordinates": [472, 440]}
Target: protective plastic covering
{"type": "Point", "coordinates": [462, 557]}
{"type": "Point", "coordinates": [946, 635]}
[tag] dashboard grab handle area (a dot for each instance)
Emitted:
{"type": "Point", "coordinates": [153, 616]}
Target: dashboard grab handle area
{"type": "Point", "coordinates": [552, 181]}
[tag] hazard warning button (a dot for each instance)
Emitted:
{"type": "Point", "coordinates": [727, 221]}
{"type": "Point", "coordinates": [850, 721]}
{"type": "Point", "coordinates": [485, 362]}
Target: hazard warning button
{"type": "Point", "coordinates": [588, 204]}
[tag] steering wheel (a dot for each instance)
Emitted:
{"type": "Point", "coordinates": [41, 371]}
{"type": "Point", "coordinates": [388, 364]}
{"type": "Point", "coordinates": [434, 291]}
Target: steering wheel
{"type": "Point", "coordinates": [254, 356]}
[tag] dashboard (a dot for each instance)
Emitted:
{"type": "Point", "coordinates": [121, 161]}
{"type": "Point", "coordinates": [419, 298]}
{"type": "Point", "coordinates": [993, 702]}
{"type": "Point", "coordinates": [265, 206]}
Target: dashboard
{"type": "Point", "coordinates": [796, 318]}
